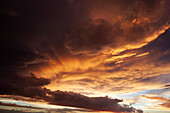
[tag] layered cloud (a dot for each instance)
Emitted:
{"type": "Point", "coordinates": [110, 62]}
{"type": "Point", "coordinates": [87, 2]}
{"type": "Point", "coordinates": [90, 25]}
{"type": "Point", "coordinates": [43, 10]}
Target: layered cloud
{"type": "Point", "coordinates": [165, 102]}
{"type": "Point", "coordinates": [14, 77]}
{"type": "Point", "coordinates": [15, 80]}
{"type": "Point", "coordinates": [49, 50]}
{"type": "Point", "coordinates": [94, 103]}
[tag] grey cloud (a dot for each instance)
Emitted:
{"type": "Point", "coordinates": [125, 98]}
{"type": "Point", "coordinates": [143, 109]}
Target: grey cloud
{"type": "Point", "coordinates": [86, 80]}
{"type": "Point", "coordinates": [167, 86]}
{"type": "Point", "coordinates": [156, 79]}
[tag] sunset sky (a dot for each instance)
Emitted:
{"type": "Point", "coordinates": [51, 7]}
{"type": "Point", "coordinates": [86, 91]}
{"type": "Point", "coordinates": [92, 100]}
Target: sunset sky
{"type": "Point", "coordinates": [85, 56]}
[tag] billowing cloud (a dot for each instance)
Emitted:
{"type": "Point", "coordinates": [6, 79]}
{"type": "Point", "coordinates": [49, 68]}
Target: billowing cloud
{"type": "Point", "coordinates": [129, 29]}
{"type": "Point", "coordinates": [94, 103]}
{"type": "Point", "coordinates": [90, 47]}
{"type": "Point", "coordinates": [141, 67]}
{"type": "Point", "coordinates": [15, 78]}
{"type": "Point", "coordinates": [14, 82]}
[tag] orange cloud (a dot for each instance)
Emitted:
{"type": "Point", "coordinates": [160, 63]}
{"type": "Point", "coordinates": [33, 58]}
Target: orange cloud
{"type": "Point", "coordinates": [156, 98]}
{"type": "Point", "coordinates": [165, 101]}
{"type": "Point", "coordinates": [104, 48]}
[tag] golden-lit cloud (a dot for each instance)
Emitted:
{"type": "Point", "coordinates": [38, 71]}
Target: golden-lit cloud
{"type": "Point", "coordinates": [74, 53]}
{"type": "Point", "coordinates": [165, 102]}
{"type": "Point", "coordinates": [156, 98]}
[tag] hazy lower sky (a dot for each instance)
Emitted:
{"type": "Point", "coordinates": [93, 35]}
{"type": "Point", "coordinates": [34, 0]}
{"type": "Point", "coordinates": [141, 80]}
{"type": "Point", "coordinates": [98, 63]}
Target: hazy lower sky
{"type": "Point", "coordinates": [83, 56]}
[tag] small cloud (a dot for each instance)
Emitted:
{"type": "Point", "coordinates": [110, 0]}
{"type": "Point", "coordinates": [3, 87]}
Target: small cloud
{"type": "Point", "coordinates": [143, 54]}
{"type": "Point", "coordinates": [165, 101]}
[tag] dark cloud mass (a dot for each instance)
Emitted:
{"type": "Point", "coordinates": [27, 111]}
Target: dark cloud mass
{"type": "Point", "coordinates": [93, 37]}
{"type": "Point", "coordinates": [16, 58]}
{"type": "Point", "coordinates": [134, 24]}
{"type": "Point", "coordinates": [94, 103]}
{"type": "Point", "coordinates": [36, 34]}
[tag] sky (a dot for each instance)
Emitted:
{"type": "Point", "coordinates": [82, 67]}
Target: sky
{"type": "Point", "coordinates": [85, 56]}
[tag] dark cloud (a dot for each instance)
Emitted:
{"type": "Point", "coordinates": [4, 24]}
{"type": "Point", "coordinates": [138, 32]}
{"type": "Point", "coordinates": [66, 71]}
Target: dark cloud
{"type": "Point", "coordinates": [139, 111]}
{"type": "Point", "coordinates": [42, 110]}
{"type": "Point", "coordinates": [92, 38]}
{"type": "Point", "coordinates": [116, 79]}
{"type": "Point", "coordinates": [99, 33]}
{"type": "Point", "coordinates": [40, 24]}
{"type": "Point", "coordinates": [15, 79]}
{"type": "Point", "coordinates": [158, 55]}
{"type": "Point", "coordinates": [29, 86]}
{"type": "Point", "coordinates": [16, 56]}
{"type": "Point", "coordinates": [15, 105]}
{"type": "Point", "coordinates": [13, 108]}
{"type": "Point", "coordinates": [75, 100]}
{"type": "Point", "coordinates": [16, 97]}
{"type": "Point", "coordinates": [71, 110]}
{"type": "Point", "coordinates": [167, 86]}
{"type": "Point", "coordinates": [166, 105]}
{"type": "Point", "coordinates": [156, 79]}
{"type": "Point", "coordinates": [86, 80]}
{"type": "Point", "coordinates": [120, 88]}
{"type": "Point", "coordinates": [43, 25]}
{"type": "Point", "coordinates": [33, 32]}
{"type": "Point", "coordinates": [94, 103]}
{"type": "Point", "coordinates": [160, 47]}
{"type": "Point", "coordinates": [14, 82]}
{"type": "Point", "coordinates": [13, 111]}
{"type": "Point", "coordinates": [29, 109]}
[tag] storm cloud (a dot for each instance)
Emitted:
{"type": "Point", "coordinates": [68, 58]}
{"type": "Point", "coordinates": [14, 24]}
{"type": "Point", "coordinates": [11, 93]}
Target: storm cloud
{"type": "Point", "coordinates": [93, 103]}
{"type": "Point", "coordinates": [131, 26]}
{"type": "Point", "coordinates": [56, 51]}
